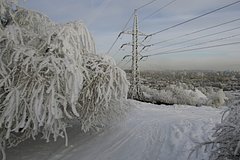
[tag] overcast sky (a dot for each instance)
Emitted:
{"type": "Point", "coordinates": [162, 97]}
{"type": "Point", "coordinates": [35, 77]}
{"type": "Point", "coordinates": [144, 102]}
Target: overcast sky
{"type": "Point", "coordinates": [106, 18]}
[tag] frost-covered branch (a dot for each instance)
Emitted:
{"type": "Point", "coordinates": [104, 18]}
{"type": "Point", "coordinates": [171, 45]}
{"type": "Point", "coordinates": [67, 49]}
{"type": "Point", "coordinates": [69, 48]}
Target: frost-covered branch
{"type": "Point", "coordinates": [227, 135]}
{"type": "Point", "coordinates": [49, 74]}
{"type": "Point", "coordinates": [225, 141]}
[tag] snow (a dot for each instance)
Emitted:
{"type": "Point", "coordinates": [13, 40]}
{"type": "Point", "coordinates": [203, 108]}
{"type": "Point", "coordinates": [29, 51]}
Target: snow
{"type": "Point", "coordinates": [50, 74]}
{"type": "Point", "coordinates": [148, 132]}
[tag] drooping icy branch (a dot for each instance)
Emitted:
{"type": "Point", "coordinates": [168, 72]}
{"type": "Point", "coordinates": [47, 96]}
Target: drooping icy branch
{"type": "Point", "coordinates": [50, 73]}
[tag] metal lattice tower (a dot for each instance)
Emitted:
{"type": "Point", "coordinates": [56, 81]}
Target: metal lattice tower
{"type": "Point", "coordinates": [135, 88]}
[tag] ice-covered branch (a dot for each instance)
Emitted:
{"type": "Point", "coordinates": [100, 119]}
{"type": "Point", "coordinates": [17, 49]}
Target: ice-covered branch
{"type": "Point", "coordinates": [49, 73]}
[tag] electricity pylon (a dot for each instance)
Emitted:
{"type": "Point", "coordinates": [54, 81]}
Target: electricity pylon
{"type": "Point", "coordinates": [135, 91]}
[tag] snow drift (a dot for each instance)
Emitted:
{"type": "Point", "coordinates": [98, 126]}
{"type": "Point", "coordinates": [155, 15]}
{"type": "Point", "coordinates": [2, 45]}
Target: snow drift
{"type": "Point", "coordinates": [49, 74]}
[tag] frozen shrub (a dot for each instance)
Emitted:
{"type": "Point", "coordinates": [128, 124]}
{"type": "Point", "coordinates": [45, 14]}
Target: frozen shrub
{"type": "Point", "coordinates": [217, 99]}
{"type": "Point", "coordinates": [49, 74]}
{"type": "Point", "coordinates": [182, 94]}
{"type": "Point", "coordinates": [225, 143]}
{"type": "Point", "coordinates": [175, 95]}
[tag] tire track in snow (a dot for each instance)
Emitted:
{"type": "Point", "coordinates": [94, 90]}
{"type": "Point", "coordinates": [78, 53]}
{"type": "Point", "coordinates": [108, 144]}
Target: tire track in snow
{"type": "Point", "coordinates": [149, 132]}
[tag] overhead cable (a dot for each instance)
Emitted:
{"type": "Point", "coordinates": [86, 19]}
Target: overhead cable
{"type": "Point", "coordinates": [197, 17]}
{"type": "Point", "coordinates": [197, 38]}
{"type": "Point", "coordinates": [193, 49]}
{"type": "Point", "coordinates": [194, 32]}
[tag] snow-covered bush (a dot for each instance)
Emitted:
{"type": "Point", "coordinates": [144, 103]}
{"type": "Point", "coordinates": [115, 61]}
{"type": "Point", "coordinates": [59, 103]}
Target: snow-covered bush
{"type": "Point", "coordinates": [49, 74]}
{"type": "Point", "coordinates": [225, 141]}
{"type": "Point", "coordinates": [217, 99]}
{"type": "Point", "coordinates": [182, 94]}
{"type": "Point", "coordinates": [154, 95]}
{"type": "Point", "coordinates": [175, 95]}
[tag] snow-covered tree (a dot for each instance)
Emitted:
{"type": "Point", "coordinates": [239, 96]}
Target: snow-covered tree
{"type": "Point", "coordinates": [49, 74]}
{"type": "Point", "coordinates": [225, 141]}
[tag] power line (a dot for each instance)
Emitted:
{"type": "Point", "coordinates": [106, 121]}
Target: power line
{"type": "Point", "coordinates": [202, 15]}
{"type": "Point", "coordinates": [146, 4]}
{"type": "Point", "coordinates": [125, 26]}
{"type": "Point", "coordinates": [193, 39]}
{"type": "Point", "coordinates": [127, 55]}
{"type": "Point", "coordinates": [166, 5]}
{"type": "Point", "coordinates": [193, 49]}
{"type": "Point", "coordinates": [194, 32]}
{"type": "Point", "coordinates": [210, 41]}
{"type": "Point", "coordinates": [113, 44]}
{"type": "Point", "coordinates": [177, 49]}
{"type": "Point", "coordinates": [127, 62]}
{"type": "Point", "coordinates": [122, 60]}
{"type": "Point", "coordinates": [124, 29]}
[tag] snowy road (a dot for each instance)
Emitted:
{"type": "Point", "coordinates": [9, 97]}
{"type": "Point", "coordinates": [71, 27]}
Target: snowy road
{"type": "Point", "coordinates": [149, 132]}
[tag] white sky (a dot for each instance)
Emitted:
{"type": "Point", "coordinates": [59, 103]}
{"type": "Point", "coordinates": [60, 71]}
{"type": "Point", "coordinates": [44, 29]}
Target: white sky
{"type": "Point", "coordinates": [106, 18]}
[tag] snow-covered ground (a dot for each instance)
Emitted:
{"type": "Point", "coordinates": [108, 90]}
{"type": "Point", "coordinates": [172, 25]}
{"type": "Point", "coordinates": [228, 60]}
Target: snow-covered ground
{"type": "Point", "coordinates": [149, 132]}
